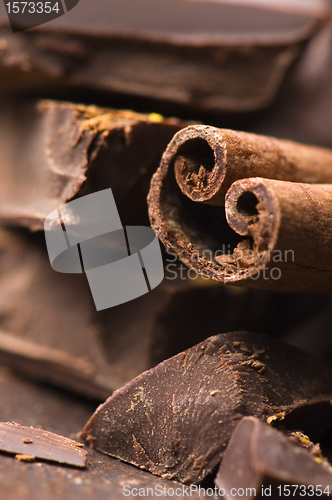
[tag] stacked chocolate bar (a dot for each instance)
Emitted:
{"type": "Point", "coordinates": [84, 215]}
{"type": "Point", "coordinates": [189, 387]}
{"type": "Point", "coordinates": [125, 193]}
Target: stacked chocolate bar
{"type": "Point", "coordinates": [104, 98]}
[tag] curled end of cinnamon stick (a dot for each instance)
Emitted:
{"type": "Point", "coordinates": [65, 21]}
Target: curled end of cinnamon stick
{"type": "Point", "coordinates": [198, 155]}
{"type": "Point", "coordinates": [252, 210]}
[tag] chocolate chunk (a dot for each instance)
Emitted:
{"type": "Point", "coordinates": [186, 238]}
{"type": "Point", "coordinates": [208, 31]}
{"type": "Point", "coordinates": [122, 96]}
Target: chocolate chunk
{"type": "Point", "coordinates": [176, 419]}
{"type": "Point", "coordinates": [207, 56]}
{"type": "Point", "coordinates": [262, 462]}
{"type": "Point", "coordinates": [29, 443]}
{"type": "Point", "coordinates": [60, 412]}
{"type": "Point", "coordinates": [52, 151]}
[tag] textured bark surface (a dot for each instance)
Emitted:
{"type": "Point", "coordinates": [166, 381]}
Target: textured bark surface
{"type": "Point", "coordinates": [52, 151]}
{"type": "Point", "coordinates": [176, 419]}
{"type": "Point", "coordinates": [206, 56]}
{"type": "Point", "coordinates": [265, 458]}
{"type": "Point", "coordinates": [207, 160]}
{"type": "Point", "coordinates": [271, 234]}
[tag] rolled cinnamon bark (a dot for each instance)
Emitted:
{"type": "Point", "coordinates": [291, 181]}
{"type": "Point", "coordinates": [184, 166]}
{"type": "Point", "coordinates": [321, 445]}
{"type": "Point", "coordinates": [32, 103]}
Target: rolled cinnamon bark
{"type": "Point", "coordinates": [287, 230]}
{"type": "Point", "coordinates": [280, 237]}
{"type": "Point", "coordinates": [207, 160]}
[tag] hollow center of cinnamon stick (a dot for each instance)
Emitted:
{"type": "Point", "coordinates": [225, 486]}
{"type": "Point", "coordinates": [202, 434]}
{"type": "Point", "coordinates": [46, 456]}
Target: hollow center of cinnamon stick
{"type": "Point", "coordinates": [247, 204]}
{"type": "Point", "coordinates": [193, 165]}
{"type": "Point", "coordinates": [190, 227]}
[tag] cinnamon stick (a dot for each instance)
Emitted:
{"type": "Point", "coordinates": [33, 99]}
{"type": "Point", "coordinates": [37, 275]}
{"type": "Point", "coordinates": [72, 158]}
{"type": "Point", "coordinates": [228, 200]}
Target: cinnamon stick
{"type": "Point", "coordinates": [207, 160]}
{"type": "Point", "coordinates": [287, 226]}
{"type": "Point", "coordinates": [271, 234]}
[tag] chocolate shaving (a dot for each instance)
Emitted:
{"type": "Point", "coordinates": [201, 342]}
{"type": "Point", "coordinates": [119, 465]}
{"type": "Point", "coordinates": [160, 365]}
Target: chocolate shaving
{"type": "Point", "coordinates": [176, 419]}
{"type": "Point", "coordinates": [29, 443]}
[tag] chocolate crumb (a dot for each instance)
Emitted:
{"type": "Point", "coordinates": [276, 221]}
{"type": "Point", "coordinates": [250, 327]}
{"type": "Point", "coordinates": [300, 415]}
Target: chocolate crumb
{"type": "Point", "coordinates": [27, 440]}
{"type": "Point", "coordinates": [21, 457]}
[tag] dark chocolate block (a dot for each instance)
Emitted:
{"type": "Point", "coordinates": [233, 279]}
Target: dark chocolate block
{"type": "Point", "coordinates": [52, 151]}
{"type": "Point", "coordinates": [209, 56]}
{"type": "Point", "coordinates": [58, 411]}
{"type": "Point", "coordinates": [261, 462]}
{"type": "Point", "coordinates": [176, 419]}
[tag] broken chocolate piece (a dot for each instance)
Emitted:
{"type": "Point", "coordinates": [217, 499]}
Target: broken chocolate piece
{"type": "Point", "coordinates": [52, 151]}
{"type": "Point", "coordinates": [28, 443]}
{"type": "Point", "coordinates": [260, 461]}
{"type": "Point", "coordinates": [63, 413]}
{"type": "Point", "coordinates": [103, 478]}
{"type": "Point", "coordinates": [176, 419]}
{"type": "Point", "coordinates": [209, 56]}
